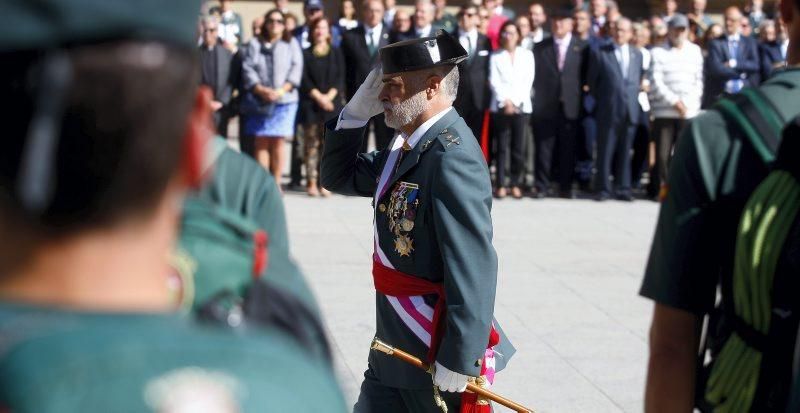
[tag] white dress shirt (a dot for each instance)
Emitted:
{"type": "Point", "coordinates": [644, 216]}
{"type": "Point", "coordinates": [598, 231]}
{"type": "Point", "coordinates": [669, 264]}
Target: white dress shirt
{"type": "Point", "coordinates": [537, 35]}
{"type": "Point", "coordinates": [623, 58]}
{"type": "Point", "coordinates": [375, 33]}
{"type": "Point", "coordinates": [423, 31]}
{"type": "Point", "coordinates": [512, 81]}
{"type": "Point", "coordinates": [469, 41]}
{"type": "Point", "coordinates": [561, 49]}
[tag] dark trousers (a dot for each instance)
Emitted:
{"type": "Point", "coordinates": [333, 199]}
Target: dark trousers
{"type": "Point", "coordinates": [247, 144]}
{"type": "Point", "coordinates": [377, 398]}
{"type": "Point", "coordinates": [614, 148]}
{"type": "Point", "coordinates": [510, 131]}
{"type": "Point", "coordinates": [641, 150]}
{"type": "Point", "coordinates": [555, 137]}
{"type": "Point", "coordinates": [383, 134]}
{"type": "Point", "coordinates": [586, 142]}
{"type": "Point", "coordinates": [221, 119]}
{"type": "Point", "coordinates": [296, 158]}
{"type": "Point", "coordinates": [474, 119]}
{"type": "Point", "coordinates": [665, 133]}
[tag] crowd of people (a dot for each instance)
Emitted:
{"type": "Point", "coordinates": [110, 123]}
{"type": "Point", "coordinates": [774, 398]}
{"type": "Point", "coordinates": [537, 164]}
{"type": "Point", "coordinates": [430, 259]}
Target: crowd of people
{"type": "Point", "coordinates": [577, 100]}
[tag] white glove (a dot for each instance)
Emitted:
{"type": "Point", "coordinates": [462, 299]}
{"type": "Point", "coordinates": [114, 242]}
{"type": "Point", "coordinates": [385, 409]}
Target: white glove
{"type": "Point", "coordinates": [449, 380]}
{"type": "Point", "coordinates": [365, 103]}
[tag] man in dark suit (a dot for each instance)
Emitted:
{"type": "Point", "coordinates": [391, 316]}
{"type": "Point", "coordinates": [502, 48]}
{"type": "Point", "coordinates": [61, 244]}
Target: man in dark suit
{"type": "Point", "coordinates": [473, 90]}
{"type": "Point", "coordinates": [215, 63]}
{"type": "Point", "coordinates": [614, 77]}
{"type": "Point", "coordinates": [773, 52]}
{"type": "Point", "coordinates": [733, 62]}
{"type": "Point", "coordinates": [360, 48]}
{"type": "Point", "coordinates": [557, 103]}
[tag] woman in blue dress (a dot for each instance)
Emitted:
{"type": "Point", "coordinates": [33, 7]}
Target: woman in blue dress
{"type": "Point", "coordinates": [272, 70]}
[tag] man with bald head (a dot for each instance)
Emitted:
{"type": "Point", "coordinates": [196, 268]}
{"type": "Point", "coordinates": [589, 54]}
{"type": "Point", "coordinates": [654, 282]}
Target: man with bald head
{"type": "Point", "coordinates": [733, 62]}
{"type": "Point", "coordinates": [614, 77]}
{"type": "Point", "coordinates": [424, 15]}
{"type": "Point", "coordinates": [599, 9]}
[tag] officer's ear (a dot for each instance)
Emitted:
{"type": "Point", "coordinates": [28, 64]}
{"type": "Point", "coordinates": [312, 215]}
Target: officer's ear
{"type": "Point", "coordinates": [199, 131]}
{"type": "Point", "coordinates": [433, 85]}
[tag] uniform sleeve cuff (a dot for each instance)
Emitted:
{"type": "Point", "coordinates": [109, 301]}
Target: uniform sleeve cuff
{"type": "Point", "coordinates": [349, 123]}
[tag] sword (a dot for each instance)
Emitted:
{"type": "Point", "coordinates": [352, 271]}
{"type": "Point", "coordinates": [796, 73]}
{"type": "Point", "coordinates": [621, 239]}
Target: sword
{"type": "Point", "coordinates": [472, 387]}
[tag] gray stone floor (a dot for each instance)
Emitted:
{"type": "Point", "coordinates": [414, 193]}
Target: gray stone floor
{"type": "Point", "coordinates": [567, 295]}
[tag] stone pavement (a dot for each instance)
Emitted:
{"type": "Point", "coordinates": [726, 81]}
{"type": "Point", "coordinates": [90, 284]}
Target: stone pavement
{"type": "Point", "coordinates": [566, 297]}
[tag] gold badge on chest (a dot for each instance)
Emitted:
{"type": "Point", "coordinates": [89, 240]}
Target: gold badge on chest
{"type": "Point", "coordinates": [402, 212]}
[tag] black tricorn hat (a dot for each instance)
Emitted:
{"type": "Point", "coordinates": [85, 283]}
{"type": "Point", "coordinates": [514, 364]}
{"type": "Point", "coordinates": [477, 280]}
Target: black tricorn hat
{"type": "Point", "coordinates": [425, 52]}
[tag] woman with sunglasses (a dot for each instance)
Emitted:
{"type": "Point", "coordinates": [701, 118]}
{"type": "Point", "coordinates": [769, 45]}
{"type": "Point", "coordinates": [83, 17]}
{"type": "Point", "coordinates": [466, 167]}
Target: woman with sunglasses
{"type": "Point", "coordinates": [272, 70]}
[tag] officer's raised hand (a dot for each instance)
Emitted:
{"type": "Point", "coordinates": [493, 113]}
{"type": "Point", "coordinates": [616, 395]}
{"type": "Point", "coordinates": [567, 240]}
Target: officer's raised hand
{"type": "Point", "coordinates": [365, 103]}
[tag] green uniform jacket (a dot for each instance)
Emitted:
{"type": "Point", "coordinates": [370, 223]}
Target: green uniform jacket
{"type": "Point", "coordinates": [712, 174]}
{"type": "Point", "coordinates": [240, 184]}
{"type": "Point", "coordinates": [65, 361]}
{"type": "Point", "coordinates": [451, 239]}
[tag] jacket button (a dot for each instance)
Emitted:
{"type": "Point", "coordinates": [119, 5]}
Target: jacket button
{"type": "Point", "coordinates": [382, 208]}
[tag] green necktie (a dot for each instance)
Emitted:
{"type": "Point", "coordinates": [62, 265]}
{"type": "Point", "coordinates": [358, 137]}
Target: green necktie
{"type": "Point", "coordinates": [371, 44]}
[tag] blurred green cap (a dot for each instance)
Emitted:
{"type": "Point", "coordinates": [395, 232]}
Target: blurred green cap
{"type": "Point", "coordinates": [44, 24]}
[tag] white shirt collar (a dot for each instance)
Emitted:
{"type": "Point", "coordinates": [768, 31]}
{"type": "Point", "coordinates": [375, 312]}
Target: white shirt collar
{"type": "Point", "coordinates": [735, 38]}
{"type": "Point", "coordinates": [537, 35]}
{"type": "Point", "coordinates": [424, 30]}
{"type": "Point", "coordinates": [420, 131]}
{"type": "Point", "coordinates": [377, 29]}
{"type": "Point", "coordinates": [472, 34]}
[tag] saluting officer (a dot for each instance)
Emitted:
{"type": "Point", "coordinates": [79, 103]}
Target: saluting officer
{"type": "Point", "coordinates": [434, 266]}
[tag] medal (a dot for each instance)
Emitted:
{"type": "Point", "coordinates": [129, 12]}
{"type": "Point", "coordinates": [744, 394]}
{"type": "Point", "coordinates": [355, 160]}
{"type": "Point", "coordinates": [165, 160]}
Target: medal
{"type": "Point", "coordinates": [406, 225]}
{"type": "Point", "coordinates": [403, 245]}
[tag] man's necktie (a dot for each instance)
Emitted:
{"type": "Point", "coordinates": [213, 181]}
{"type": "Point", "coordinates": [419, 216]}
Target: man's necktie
{"type": "Point", "coordinates": [371, 44]}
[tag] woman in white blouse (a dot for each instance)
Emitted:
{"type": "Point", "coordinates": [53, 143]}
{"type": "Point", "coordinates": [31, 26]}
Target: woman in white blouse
{"type": "Point", "coordinates": [511, 79]}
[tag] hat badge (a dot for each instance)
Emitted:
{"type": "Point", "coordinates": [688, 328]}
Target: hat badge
{"type": "Point", "coordinates": [433, 50]}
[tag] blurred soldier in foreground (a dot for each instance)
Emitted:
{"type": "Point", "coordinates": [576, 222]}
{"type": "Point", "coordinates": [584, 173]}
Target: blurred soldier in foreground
{"type": "Point", "coordinates": [723, 154]}
{"type": "Point", "coordinates": [107, 130]}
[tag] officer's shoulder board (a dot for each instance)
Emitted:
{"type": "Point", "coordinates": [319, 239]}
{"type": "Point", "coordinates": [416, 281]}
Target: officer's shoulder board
{"type": "Point", "coordinates": [449, 138]}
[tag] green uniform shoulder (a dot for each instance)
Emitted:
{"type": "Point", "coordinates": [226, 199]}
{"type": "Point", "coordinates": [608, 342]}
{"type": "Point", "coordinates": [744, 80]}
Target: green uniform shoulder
{"type": "Point", "coordinates": [68, 362]}
{"type": "Point", "coordinates": [716, 170]}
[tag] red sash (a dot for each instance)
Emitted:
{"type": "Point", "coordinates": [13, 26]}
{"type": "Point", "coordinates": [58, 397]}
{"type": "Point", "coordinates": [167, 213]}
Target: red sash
{"type": "Point", "coordinates": [394, 283]}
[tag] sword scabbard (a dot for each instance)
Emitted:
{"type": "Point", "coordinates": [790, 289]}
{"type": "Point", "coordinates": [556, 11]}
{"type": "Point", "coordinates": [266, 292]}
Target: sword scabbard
{"type": "Point", "coordinates": [389, 350]}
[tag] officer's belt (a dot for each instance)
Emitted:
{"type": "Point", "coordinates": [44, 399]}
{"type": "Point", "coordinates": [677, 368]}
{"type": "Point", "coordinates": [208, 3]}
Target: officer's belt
{"type": "Point", "coordinates": [391, 282]}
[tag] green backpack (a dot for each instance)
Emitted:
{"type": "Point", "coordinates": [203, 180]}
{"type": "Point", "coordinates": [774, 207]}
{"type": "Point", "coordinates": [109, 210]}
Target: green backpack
{"type": "Point", "coordinates": [229, 250]}
{"type": "Point", "coordinates": [223, 259]}
{"type": "Point", "coordinates": [743, 375]}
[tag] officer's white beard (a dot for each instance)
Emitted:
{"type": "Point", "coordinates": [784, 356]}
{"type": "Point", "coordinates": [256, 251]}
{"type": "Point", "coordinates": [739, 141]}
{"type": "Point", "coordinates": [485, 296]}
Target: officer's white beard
{"type": "Point", "coordinates": [405, 112]}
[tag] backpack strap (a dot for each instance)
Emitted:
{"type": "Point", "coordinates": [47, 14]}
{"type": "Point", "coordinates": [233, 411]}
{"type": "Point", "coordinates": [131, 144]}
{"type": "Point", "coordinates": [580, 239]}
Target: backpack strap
{"type": "Point", "coordinates": [756, 116]}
